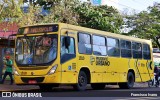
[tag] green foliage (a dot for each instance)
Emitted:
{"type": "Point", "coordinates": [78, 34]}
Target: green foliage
{"type": "Point", "coordinates": [10, 9]}
{"type": "Point", "coordinates": [67, 11]}
{"type": "Point", "coordinates": [99, 17]}
{"type": "Point", "coordinates": [146, 24]}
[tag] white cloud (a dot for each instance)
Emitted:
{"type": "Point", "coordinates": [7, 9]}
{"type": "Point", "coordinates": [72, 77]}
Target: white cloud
{"type": "Point", "coordinates": [110, 3]}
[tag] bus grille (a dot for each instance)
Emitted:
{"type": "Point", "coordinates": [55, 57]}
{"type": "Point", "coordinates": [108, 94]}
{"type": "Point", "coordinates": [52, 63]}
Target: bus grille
{"type": "Point", "coordinates": [38, 79]}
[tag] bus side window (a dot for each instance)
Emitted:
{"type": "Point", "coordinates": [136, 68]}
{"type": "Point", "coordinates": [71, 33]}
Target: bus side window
{"type": "Point", "coordinates": [99, 45]}
{"type": "Point", "coordinates": [67, 53]}
{"type": "Point", "coordinates": [84, 43]}
{"type": "Point", "coordinates": [137, 50]}
{"type": "Point", "coordinates": [126, 49]}
{"type": "Point", "coordinates": [113, 47]}
{"type": "Point", "coordinates": [70, 49]}
{"type": "Point", "coordinates": [146, 51]}
{"type": "Point", "coordinates": [63, 48]}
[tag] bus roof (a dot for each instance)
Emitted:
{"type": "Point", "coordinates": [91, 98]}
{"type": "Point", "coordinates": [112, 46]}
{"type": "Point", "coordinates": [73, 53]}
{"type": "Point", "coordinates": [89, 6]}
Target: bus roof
{"type": "Point", "coordinates": [94, 31]}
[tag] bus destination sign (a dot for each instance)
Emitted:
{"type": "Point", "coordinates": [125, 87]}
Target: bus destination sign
{"type": "Point", "coordinates": [38, 29]}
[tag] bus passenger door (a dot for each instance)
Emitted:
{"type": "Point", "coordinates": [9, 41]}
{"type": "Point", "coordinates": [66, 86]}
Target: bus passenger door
{"type": "Point", "coordinates": [68, 60]}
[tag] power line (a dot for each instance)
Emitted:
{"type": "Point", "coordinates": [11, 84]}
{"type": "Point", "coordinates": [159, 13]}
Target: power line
{"type": "Point", "coordinates": [139, 3]}
{"type": "Point", "coordinates": [149, 3]}
{"type": "Point", "coordinates": [125, 5]}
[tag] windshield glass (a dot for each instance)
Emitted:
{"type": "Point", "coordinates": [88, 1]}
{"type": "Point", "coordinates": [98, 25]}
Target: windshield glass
{"type": "Point", "coordinates": [36, 49]}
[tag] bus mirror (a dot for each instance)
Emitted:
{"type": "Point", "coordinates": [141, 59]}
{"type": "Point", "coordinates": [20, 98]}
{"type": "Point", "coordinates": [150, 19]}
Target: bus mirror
{"type": "Point", "coordinates": [67, 41]}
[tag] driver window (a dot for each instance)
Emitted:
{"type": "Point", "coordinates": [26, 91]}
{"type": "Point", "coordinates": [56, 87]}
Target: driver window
{"type": "Point", "coordinates": [19, 50]}
{"type": "Point", "coordinates": [70, 49]}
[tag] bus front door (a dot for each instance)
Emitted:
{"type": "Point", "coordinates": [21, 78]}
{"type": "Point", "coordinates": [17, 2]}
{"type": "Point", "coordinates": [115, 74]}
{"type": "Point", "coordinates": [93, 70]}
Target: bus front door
{"type": "Point", "coordinates": [68, 60]}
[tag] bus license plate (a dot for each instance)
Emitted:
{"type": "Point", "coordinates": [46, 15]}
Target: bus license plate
{"type": "Point", "coordinates": [32, 81]}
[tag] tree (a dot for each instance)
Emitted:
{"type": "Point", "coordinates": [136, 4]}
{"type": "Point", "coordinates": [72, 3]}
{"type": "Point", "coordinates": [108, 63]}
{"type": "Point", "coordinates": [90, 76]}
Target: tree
{"type": "Point", "coordinates": [63, 12]}
{"type": "Point", "coordinates": [47, 4]}
{"type": "Point", "coordinates": [67, 11]}
{"type": "Point", "coordinates": [146, 24]}
{"type": "Point", "coordinates": [103, 17]}
{"type": "Point", "coordinates": [58, 12]}
{"type": "Point", "coordinates": [10, 9]}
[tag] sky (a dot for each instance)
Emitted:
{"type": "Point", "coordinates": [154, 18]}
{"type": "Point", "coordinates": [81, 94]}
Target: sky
{"type": "Point", "coordinates": [136, 5]}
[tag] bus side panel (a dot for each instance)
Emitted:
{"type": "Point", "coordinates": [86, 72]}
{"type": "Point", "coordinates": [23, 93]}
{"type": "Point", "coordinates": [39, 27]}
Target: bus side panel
{"type": "Point", "coordinates": [144, 74]}
{"type": "Point", "coordinates": [148, 66]}
{"type": "Point", "coordinates": [69, 73]}
{"type": "Point", "coordinates": [111, 74]}
{"type": "Point", "coordinates": [85, 61]}
{"type": "Point", "coordinates": [123, 66]}
{"type": "Point", "coordinates": [148, 70]}
{"type": "Point", "coordinates": [98, 69]}
{"type": "Point", "coordinates": [137, 70]}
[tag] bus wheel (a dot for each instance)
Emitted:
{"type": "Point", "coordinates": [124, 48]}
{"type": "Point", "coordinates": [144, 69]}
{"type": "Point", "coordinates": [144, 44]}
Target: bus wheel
{"type": "Point", "coordinates": [97, 86]}
{"type": "Point", "coordinates": [45, 88]}
{"type": "Point", "coordinates": [82, 82]}
{"type": "Point", "coordinates": [130, 82]}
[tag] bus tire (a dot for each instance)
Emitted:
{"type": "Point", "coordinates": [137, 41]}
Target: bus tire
{"type": "Point", "coordinates": [130, 82]}
{"type": "Point", "coordinates": [98, 86]}
{"type": "Point", "coordinates": [45, 88]}
{"type": "Point", "coordinates": [82, 82]}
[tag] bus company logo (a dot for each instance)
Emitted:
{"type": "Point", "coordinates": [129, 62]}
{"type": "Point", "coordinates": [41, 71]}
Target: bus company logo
{"type": "Point", "coordinates": [6, 94]}
{"type": "Point", "coordinates": [102, 61]}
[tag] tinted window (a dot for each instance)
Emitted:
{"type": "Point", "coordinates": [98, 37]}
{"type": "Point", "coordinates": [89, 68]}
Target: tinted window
{"type": "Point", "coordinates": [113, 42]}
{"type": "Point", "coordinates": [84, 43]}
{"type": "Point", "coordinates": [146, 51]}
{"type": "Point", "coordinates": [67, 50]}
{"type": "Point", "coordinates": [84, 38]}
{"type": "Point", "coordinates": [99, 40]}
{"type": "Point", "coordinates": [113, 47]}
{"type": "Point", "coordinates": [70, 49]}
{"type": "Point", "coordinates": [99, 47]}
{"type": "Point", "coordinates": [125, 48]}
{"type": "Point", "coordinates": [137, 50]}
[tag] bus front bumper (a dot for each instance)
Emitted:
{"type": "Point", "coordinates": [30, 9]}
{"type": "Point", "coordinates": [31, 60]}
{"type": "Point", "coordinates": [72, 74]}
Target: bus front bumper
{"type": "Point", "coordinates": [44, 79]}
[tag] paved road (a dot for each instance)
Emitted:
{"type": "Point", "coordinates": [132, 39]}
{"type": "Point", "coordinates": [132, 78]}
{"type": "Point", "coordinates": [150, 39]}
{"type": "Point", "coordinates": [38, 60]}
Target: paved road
{"type": "Point", "coordinates": [112, 92]}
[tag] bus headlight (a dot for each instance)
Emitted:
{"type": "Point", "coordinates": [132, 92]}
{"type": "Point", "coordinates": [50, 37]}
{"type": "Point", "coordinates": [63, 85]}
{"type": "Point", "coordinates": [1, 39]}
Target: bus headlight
{"type": "Point", "coordinates": [15, 72]}
{"type": "Point", "coordinates": [53, 69]}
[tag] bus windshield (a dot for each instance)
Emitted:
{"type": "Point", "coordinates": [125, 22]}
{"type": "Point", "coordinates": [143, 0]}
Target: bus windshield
{"type": "Point", "coordinates": [32, 50]}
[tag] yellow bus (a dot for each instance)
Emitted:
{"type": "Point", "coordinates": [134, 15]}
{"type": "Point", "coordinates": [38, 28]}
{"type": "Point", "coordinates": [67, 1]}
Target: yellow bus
{"type": "Point", "coordinates": [61, 54]}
